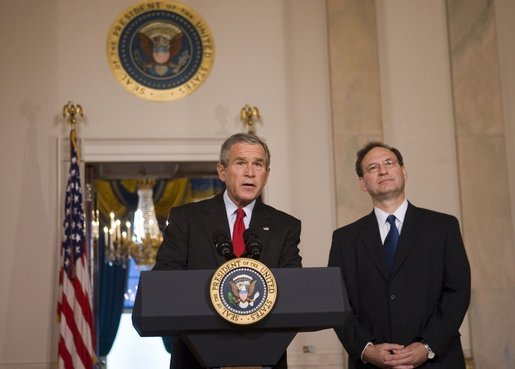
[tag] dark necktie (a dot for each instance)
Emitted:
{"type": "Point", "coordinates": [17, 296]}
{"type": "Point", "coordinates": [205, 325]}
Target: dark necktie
{"type": "Point", "coordinates": [238, 245]}
{"type": "Point", "coordinates": [391, 241]}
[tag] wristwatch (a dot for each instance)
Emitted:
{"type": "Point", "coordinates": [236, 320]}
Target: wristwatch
{"type": "Point", "coordinates": [430, 353]}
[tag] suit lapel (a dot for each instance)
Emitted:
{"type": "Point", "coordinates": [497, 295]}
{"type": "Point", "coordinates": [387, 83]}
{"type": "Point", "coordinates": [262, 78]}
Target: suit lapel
{"type": "Point", "coordinates": [371, 238]}
{"type": "Point", "coordinates": [261, 223]}
{"type": "Point", "coordinates": [411, 229]}
{"type": "Point", "coordinates": [215, 219]}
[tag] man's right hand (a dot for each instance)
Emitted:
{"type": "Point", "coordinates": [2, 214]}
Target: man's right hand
{"type": "Point", "coordinates": [379, 355]}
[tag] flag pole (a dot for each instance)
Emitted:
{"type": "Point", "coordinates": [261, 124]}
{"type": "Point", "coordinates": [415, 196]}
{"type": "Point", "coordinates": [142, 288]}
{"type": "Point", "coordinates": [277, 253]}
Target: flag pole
{"type": "Point", "coordinates": [74, 112]}
{"type": "Point", "coordinates": [76, 347]}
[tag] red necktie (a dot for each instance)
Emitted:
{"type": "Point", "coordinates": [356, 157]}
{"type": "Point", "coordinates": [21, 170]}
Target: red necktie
{"type": "Point", "coordinates": [238, 245]}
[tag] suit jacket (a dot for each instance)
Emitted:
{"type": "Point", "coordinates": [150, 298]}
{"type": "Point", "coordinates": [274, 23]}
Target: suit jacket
{"type": "Point", "coordinates": [188, 244]}
{"type": "Point", "coordinates": [423, 298]}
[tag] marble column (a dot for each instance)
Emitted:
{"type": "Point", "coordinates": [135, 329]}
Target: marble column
{"type": "Point", "coordinates": [356, 96]}
{"type": "Point", "coordinates": [484, 183]}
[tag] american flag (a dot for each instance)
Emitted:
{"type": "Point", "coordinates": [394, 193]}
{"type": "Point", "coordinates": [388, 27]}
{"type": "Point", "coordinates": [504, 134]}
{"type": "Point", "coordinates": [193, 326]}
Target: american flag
{"type": "Point", "coordinates": [76, 342]}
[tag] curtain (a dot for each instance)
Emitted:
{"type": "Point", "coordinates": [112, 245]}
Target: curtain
{"type": "Point", "coordinates": [112, 281]}
{"type": "Point", "coordinates": [112, 277]}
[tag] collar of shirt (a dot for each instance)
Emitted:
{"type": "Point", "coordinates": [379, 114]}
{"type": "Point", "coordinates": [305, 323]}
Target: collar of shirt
{"type": "Point", "coordinates": [384, 226]}
{"type": "Point", "coordinates": [231, 208]}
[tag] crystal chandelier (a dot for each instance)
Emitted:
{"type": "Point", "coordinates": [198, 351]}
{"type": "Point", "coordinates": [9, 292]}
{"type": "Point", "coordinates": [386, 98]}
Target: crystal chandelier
{"type": "Point", "coordinates": [146, 237]}
{"type": "Point", "coordinates": [139, 240]}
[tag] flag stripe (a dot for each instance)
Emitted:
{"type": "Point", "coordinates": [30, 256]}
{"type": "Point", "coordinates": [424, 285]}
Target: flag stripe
{"type": "Point", "coordinates": [65, 359]}
{"type": "Point", "coordinates": [83, 296]}
{"type": "Point", "coordinates": [78, 316]}
{"type": "Point", "coordinates": [80, 346]}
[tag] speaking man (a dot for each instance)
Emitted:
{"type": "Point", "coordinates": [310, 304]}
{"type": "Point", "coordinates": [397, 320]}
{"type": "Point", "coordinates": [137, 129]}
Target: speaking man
{"type": "Point", "coordinates": [244, 167]}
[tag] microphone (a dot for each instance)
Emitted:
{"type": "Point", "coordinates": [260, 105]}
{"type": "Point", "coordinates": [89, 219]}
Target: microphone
{"type": "Point", "coordinates": [253, 244]}
{"type": "Point", "coordinates": [223, 245]}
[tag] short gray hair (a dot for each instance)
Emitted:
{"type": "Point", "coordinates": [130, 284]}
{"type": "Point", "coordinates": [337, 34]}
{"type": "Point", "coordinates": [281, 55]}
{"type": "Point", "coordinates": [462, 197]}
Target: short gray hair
{"type": "Point", "coordinates": [249, 138]}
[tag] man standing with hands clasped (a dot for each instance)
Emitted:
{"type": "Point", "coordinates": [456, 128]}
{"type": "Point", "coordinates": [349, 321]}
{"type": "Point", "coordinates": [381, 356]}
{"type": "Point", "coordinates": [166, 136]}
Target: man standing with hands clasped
{"type": "Point", "coordinates": [406, 274]}
{"type": "Point", "coordinates": [188, 240]}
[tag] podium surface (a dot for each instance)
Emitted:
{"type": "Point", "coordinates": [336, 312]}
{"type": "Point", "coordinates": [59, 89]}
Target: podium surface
{"type": "Point", "coordinates": [177, 303]}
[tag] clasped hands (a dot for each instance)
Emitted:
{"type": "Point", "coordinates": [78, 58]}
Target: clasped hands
{"type": "Point", "coordinates": [394, 356]}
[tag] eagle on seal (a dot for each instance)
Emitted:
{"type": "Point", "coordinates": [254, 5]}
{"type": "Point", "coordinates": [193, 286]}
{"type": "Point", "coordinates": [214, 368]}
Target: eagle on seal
{"type": "Point", "coordinates": [242, 292]}
{"type": "Point", "coordinates": [161, 42]}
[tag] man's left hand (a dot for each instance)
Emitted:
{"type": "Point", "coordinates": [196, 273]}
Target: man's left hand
{"type": "Point", "coordinates": [411, 356]}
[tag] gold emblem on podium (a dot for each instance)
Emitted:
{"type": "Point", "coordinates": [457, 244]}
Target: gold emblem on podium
{"type": "Point", "coordinates": [243, 291]}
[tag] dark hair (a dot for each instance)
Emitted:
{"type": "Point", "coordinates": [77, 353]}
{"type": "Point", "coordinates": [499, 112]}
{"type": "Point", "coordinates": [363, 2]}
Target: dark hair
{"type": "Point", "coordinates": [249, 138]}
{"type": "Point", "coordinates": [369, 146]}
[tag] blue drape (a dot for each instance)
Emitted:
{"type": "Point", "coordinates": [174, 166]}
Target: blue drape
{"type": "Point", "coordinates": [112, 281]}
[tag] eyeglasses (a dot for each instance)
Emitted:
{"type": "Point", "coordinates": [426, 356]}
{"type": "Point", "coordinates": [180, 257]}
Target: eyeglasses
{"type": "Point", "coordinates": [387, 164]}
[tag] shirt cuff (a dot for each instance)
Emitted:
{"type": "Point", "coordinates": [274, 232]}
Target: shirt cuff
{"type": "Point", "coordinates": [363, 351]}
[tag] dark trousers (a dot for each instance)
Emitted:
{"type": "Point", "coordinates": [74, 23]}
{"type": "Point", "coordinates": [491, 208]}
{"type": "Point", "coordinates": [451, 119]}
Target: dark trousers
{"type": "Point", "coordinates": [182, 358]}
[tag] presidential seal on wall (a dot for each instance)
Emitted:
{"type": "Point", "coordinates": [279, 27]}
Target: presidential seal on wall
{"type": "Point", "coordinates": [160, 50]}
{"type": "Point", "coordinates": [243, 291]}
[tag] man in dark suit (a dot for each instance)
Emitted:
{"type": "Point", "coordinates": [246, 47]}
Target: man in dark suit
{"type": "Point", "coordinates": [408, 286]}
{"type": "Point", "coordinates": [244, 167]}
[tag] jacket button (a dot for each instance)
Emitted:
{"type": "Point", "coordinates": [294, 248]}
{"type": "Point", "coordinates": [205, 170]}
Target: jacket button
{"type": "Point", "coordinates": [392, 297]}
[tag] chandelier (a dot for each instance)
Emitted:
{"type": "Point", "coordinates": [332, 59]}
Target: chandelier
{"type": "Point", "coordinates": [139, 240]}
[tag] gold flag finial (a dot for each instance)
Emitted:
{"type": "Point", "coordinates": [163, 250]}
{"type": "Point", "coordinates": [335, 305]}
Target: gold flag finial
{"type": "Point", "coordinates": [250, 115]}
{"type": "Point", "coordinates": [73, 111]}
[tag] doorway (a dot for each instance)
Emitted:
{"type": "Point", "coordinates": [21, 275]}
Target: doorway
{"type": "Point", "coordinates": [118, 344]}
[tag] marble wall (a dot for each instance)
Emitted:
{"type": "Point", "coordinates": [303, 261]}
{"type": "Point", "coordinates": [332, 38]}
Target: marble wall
{"type": "Point", "coordinates": [367, 103]}
{"type": "Point", "coordinates": [484, 182]}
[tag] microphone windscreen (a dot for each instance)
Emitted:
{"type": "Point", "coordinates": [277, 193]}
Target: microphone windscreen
{"type": "Point", "coordinates": [219, 235]}
{"type": "Point", "coordinates": [250, 234]}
